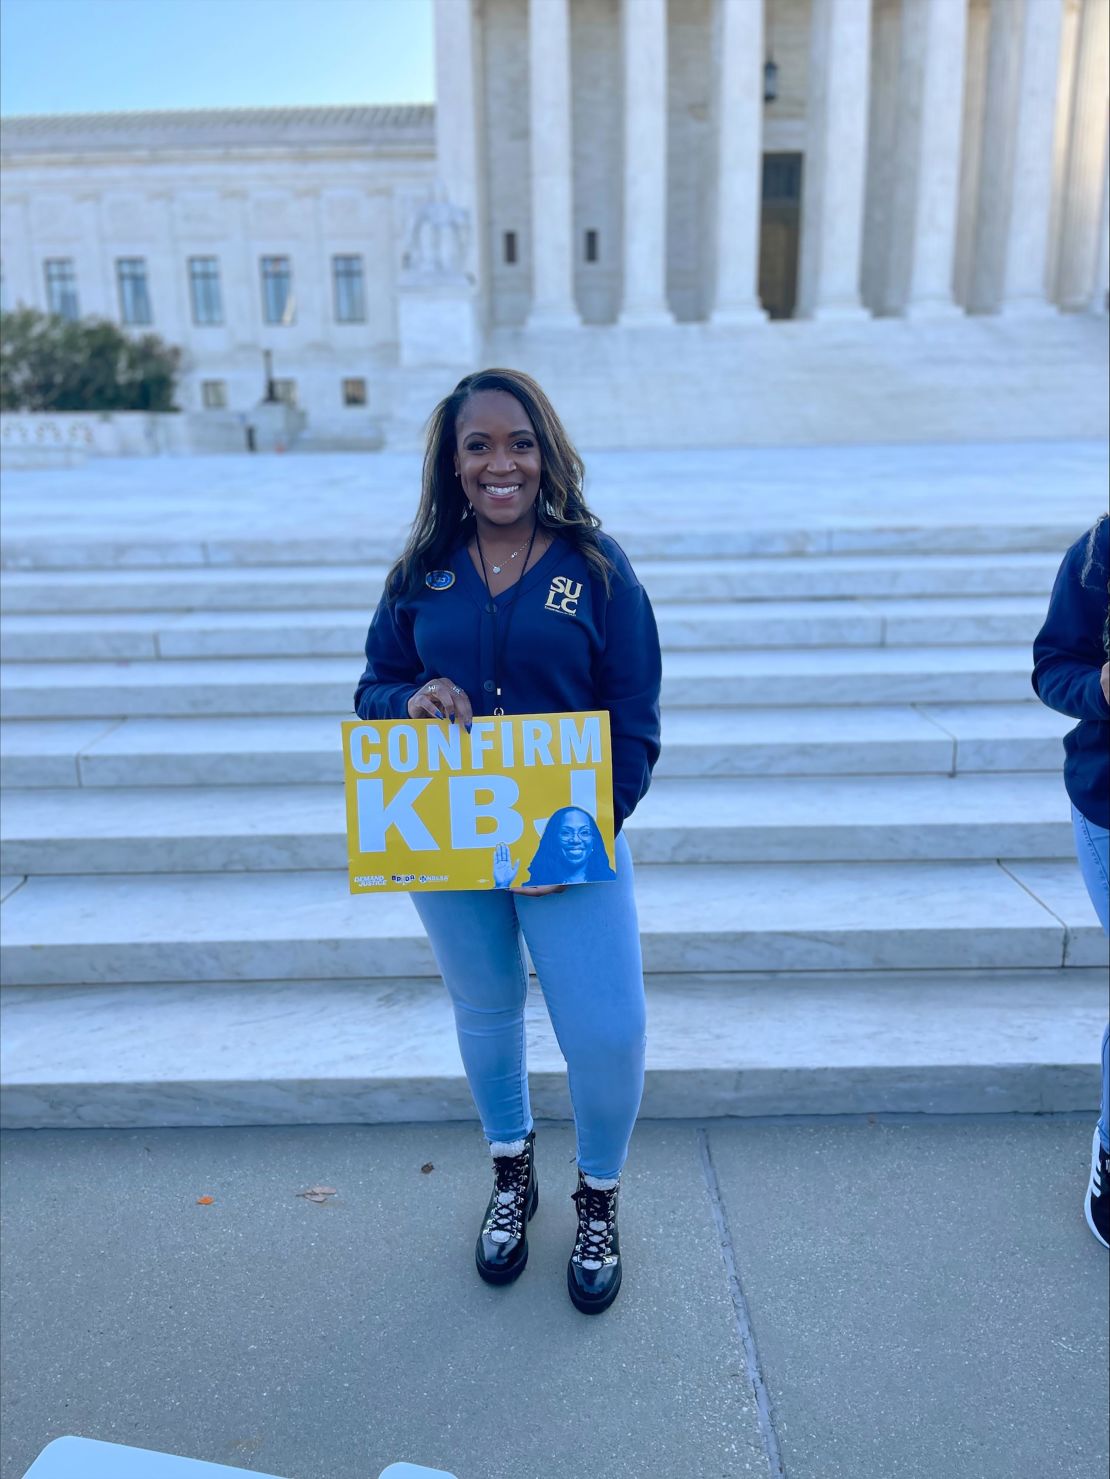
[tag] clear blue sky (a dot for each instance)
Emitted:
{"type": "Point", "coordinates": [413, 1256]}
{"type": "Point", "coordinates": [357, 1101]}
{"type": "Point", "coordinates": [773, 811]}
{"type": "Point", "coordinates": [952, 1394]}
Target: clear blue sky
{"type": "Point", "coordinates": [94, 56]}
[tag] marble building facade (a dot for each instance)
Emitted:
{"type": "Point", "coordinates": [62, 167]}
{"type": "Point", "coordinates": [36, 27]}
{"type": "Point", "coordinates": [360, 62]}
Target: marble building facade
{"type": "Point", "coordinates": [918, 156]}
{"type": "Point", "coordinates": [246, 230]}
{"type": "Point", "coordinates": [631, 163]}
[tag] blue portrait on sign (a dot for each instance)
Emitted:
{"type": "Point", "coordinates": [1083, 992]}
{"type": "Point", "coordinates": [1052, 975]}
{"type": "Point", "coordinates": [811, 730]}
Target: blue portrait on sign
{"type": "Point", "coordinates": [571, 850]}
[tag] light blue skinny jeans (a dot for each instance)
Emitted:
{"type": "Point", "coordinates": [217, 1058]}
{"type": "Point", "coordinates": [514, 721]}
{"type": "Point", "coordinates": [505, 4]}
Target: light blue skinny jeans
{"type": "Point", "coordinates": [1092, 848]}
{"type": "Point", "coordinates": [585, 945]}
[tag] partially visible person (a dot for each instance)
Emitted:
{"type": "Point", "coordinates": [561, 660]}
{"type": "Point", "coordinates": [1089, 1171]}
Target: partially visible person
{"type": "Point", "coordinates": [1071, 674]}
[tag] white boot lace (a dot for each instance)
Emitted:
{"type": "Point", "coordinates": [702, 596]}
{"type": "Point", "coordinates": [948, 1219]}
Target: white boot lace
{"type": "Point", "coordinates": [506, 1219]}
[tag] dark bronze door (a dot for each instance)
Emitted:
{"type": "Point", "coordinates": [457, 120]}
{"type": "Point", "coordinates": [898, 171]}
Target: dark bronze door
{"type": "Point", "coordinates": [780, 225]}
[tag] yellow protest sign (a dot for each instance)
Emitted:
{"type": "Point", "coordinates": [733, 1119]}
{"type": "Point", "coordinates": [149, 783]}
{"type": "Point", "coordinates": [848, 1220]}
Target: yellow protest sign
{"type": "Point", "coordinates": [521, 799]}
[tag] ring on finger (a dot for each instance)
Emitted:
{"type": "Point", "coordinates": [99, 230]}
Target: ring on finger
{"type": "Point", "coordinates": [455, 688]}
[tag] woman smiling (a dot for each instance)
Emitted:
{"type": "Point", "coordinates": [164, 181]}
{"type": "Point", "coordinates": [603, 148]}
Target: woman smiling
{"type": "Point", "coordinates": [508, 598]}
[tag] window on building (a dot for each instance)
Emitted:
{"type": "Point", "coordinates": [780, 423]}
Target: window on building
{"type": "Point", "coordinates": [350, 300]}
{"type": "Point", "coordinates": [278, 306]}
{"type": "Point", "coordinates": [213, 395]}
{"type": "Point", "coordinates": [591, 246]}
{"type": "Point", "coordinates": [286, 390]}
{"type": "Point", "coordinates": [510, 246]}
{"type": "Point", "coordinates": [354, 392]}
{"type": "Point", "coordinates": [204, 290]}
{"type": "Point", "coordinates": [134, 300]}
{"type": "Point", "coordinates": [61, 287]}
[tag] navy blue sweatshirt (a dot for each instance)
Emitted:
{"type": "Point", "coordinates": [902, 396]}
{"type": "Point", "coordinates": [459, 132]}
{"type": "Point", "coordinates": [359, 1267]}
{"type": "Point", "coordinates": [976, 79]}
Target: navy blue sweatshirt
{"type": "Point", "coordinates": [570, 646]}
{"type": "Point", "coordinates": [1068, 655]}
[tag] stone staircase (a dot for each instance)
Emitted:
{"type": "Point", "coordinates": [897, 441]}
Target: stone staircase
{"type": "Point", "coordinates": [792, 383]}
{"type": "Point", "coordinates": [855, 875]}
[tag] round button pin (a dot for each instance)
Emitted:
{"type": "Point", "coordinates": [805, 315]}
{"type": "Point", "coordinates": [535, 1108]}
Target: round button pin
{"type": "Point", "coordinates": [439, 580]}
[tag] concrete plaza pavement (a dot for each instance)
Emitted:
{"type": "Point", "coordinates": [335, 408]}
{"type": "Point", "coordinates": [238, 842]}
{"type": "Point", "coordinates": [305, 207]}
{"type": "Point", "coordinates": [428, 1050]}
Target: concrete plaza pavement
{"type": "Point", "coordinates": [880, 1298]}
{"type": "Point", "coordinates": [874, 1297]}
{"type": "Point", "coordinates": [220, 511]}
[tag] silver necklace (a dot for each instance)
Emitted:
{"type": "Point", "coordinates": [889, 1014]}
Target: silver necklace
{"type": "Point", "coordinates": [497, 569]}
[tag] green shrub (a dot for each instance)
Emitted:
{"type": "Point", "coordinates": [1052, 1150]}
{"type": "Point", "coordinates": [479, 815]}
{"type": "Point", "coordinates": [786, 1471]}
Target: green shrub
{"type": "Point", "coordinates": [49, 363]}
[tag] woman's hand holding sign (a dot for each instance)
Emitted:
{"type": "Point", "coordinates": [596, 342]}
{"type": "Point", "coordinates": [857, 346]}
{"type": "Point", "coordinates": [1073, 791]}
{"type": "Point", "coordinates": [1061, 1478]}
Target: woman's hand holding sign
{"type": "Point", "coordinates": [442, 699]}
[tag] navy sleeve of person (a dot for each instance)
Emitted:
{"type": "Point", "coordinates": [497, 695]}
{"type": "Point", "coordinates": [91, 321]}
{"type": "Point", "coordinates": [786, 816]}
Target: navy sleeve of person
{"type": "Point", "coordinates": [572, 646]}
{"type": "Point", "coordinates": [1068, 655]}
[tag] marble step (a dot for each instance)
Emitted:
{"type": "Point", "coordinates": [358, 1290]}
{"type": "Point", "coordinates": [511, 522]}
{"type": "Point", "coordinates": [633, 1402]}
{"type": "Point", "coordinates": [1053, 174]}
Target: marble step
{"type": "Point", "coordinates": [711, 678]}
{"type": "Point", "coordinates": [317, 587]}
{"type": "Point", "coordinates": [333, 632]}
{"type": "Point", "coordinates": [849, 917]}
{"type": "Point", "coordinates": [781, 819]}
{"type": "Point", "coordinates": [384, 1051]}
{"type": "Point", "coordinates": [641, 541]}
{"type": "Point", "coordinates": [303, 749]}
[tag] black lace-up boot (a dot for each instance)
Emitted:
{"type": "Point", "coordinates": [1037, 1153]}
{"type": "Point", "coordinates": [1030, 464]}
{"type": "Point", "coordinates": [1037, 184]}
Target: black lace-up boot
{"type": "Point", "coordinates": [594, 1269]}
{"type": "Point", "coordinates": [502, 1249]}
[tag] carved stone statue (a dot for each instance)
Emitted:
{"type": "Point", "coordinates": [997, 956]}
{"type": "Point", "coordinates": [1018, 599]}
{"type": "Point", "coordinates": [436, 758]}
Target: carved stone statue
{"type": "Point", "coordinates": [438, 239]}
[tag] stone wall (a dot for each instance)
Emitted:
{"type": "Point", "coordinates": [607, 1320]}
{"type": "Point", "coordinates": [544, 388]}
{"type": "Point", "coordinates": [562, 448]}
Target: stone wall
{"type": "Point", "coordinates": [29, 438]}
{"type": "Point", "coordinates": [67, 438]}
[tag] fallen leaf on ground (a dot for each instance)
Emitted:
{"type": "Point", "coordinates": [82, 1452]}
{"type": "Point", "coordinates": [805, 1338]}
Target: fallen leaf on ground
{"type": "Point", "coordinates": [205, 1201]}
{"type": "Point", "coordinates": [426, 1167]}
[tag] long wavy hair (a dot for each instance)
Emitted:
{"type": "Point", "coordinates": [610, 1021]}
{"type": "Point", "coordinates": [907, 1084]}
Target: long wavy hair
{"type": "Point", "coordinates": [443, 511]}
{"type": "Point", "coordinates": [548, 864]}
{"type": "Point", "coordinates": [1090, 556]}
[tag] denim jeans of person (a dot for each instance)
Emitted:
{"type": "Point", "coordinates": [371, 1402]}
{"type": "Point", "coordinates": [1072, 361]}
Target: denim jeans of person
{"type": "Point", "coordinates": [1092, 848]}
{"type": "Point", "coordinates": [585, 945]}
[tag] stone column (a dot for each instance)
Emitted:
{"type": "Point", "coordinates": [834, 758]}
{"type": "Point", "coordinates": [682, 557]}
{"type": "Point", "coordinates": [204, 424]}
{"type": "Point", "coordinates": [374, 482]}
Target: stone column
{"type": "Point", "coordinates": [458, 128]}
{"type": "Point", "coordinates": [552, 166]}
{"type": "Point", "coordinates": [996, 157]}
{"type": "Point", "coordinates": [1100, 298]}
{"type": "Point", "coordinates": [940, 27]}
{"type": "Point", "coordinates": [1061, 139]}
{"type": "Point", "coordinates": [644, 36]}
{"type": "Point", "coordinates": [1086, 160]}
{"type": "Point", "coordinates": [240, 286]}
{"type": "Point", "coordinates": [739, 163]}
{"type": "Point", "coordinates": [835, 164]}
{"type": "Point", "coordinates": [975, 91]}
{"type": "Point", "coordinates": [95, 265]}
{"type": "Point", "coordinates": [21, 281]}
{"type": "Point", "coordinates": [1025, 273]}
{"type": "Point", "coordinates": [171, 293]}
